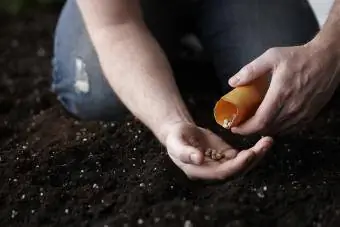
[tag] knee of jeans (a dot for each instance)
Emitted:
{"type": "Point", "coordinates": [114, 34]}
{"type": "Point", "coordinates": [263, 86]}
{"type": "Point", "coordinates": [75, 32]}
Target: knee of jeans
{"type": "Point", "coordinates": [84, 97]}
{"type": "Point", "coordinates": [78, 80]}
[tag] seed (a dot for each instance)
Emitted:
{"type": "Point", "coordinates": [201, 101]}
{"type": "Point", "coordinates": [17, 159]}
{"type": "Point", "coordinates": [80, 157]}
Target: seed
{"type": "Point", "coordinates": [213, 154]}
{"type": "Point", "coordinates": [226, 123]}
{"type": "Point", "coordinates": [218, 156]}
{"type": "Point", "coordinates": [208, 152]}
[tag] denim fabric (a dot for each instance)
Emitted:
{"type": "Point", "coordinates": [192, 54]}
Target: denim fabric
{"type": "Point", "coordinates": [233, 32]}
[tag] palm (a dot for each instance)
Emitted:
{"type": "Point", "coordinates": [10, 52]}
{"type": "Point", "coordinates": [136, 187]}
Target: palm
{"type": "Point", "coordinates": [186, 138]}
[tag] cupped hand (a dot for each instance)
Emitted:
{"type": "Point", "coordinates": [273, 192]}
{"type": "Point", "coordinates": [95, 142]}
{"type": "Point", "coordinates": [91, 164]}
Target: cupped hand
{"type": "Point", "coordinates": [187, 144]}
{"type": "Point", "coordinates": [303, 80]}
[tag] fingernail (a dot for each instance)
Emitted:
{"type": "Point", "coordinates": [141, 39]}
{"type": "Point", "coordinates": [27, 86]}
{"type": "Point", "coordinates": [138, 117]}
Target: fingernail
{"type": "Point", "coordinates": [195, 158]}
{"type": "Point", "coordinates": [234, 80]}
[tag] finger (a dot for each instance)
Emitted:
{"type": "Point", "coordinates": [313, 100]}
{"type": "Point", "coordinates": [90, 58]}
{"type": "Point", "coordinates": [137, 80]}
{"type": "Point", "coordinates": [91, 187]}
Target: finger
{"type": "Point", "coordinates": [260, 149]}
{"type": "Point", "coordinates": [185, 152]}
{"type": "Point", "coordinates": [258, 67]}
{"type": "Point", "coordinates": [291, 120]}
{"type": "Point", "coordinates": [291, 125]}
{"type": "Point", "coordinates": [268, 109]}
{"type": "Point", "coordinates": [223, 171]}
{"type": "Point", "coordinates": [231, 167]}
{"type": "Point", "coordinates": [263, 145]}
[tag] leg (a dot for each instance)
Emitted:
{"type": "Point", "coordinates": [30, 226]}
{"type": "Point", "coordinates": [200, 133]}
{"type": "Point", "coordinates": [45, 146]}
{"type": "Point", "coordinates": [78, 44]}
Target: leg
{"type": "Point", "coordinates": [78, 80]}
{"type": "Point", "coordinates": [234, 32]}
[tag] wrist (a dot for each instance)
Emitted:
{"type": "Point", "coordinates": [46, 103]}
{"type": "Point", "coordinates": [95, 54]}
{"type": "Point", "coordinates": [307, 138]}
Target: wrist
{"type": "Point", "coordinates": [166, 127]}
{"type": "Point", "coordinates": [326, 42]}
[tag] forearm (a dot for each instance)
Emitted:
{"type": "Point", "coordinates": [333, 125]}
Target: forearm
{"type": "Point", "coordinates": [329, 34]}
{"type": "Point", "coordinates": [139, 73]}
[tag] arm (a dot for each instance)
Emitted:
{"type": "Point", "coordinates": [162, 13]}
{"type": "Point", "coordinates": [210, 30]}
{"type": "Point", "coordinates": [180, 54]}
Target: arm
{"type": "Point", "coordinates": [330, 32]}
{"type": "Point", "coordinates": [134, 64]}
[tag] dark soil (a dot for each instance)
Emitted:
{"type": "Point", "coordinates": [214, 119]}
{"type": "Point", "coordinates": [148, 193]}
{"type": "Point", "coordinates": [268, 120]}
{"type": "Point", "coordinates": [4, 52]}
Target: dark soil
{"type": "Point", "coordinates": [57, 171]}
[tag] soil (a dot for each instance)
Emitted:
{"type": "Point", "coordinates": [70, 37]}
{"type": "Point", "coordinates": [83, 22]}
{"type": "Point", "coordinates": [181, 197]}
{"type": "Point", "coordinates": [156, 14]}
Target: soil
{"type": "Point", "coordinates": [58, 171]}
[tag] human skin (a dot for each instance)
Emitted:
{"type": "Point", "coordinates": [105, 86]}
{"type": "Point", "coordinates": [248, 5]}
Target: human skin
{"type": "Point", "coordinates": [303, 80]}
{"type": "Point", "coordinates": [130, 56]}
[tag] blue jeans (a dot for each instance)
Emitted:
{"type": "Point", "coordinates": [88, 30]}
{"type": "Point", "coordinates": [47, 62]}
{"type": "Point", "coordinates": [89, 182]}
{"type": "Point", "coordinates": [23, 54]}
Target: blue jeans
{"type": "Point", "coordinates": [232, 32]}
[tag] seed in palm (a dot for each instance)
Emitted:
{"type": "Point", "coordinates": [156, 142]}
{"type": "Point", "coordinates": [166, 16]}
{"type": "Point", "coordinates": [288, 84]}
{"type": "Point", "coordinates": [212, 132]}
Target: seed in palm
{"type": "Point", "coordinates": [213, 154]}
{"type": "Point", "coordinates": [219, 156]}
{"type": "Point", "coordinates": [208, 152]}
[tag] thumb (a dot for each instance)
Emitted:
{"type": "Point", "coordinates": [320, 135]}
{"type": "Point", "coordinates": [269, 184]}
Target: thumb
{"type": "Point", "coordinates": [185, 152]}
{"type": "Point", "coordinates": [253, 70]}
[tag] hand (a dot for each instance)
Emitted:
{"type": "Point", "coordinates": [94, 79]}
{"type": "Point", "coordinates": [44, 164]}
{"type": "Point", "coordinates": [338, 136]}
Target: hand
{"type": "Point", "coordinates": [304, 79]}
{"type": "Point", "coordinates": [186, 144]}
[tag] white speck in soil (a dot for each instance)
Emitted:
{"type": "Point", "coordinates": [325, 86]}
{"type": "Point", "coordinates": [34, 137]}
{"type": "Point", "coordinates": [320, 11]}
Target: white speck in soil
{"type": "Point", "coordinates": [156, 219]}
{"type": "Point", "coordinates": [41, 194]}
{"type": "Point", "coordinates": [102, 201]}
{"type": "Point", "coordinates": [128, 123]}
{"type": "Point", "coordinates": [265, 188]}
{"type": "Point", "coordinates": [14, 213]}
{"type": "Point", "coordinates": [171, 186]}
{"type": "Point", "coordinates": [24, 147]}
{"type": "Point", "coordinates": [140, 221]}
{"type": "Point", "coordinates": [133, 164]}
{"type": "Point", "coordinates": [188, 223]}
{"type": "Point", "coordinates": [260, 194]}
{"type": "Point", "coordinates": [142, 185]}
{"type": "Point", "coordinates": [66, 211]}
{"type": "Point", "coordinates": [169, 215]}
{"type": "Point", "coordinates": [84, 139]}
{"type": "Point", "coordinates": [136, 136]}
{"type": "Point", "coordinates": [23, 196]}
{"type": "Point", "coordinates": [15, 180]}
{"type": "Point", "coordinates": [139, 131]}
{"type": "Point", "coordinates": [112, 125]}
{"type": "Point", "coordinates": [32, 211]}
{"type": "Point", "coordinates": [124, 170]}
{"type": "Point", "coordinates": [134, 149]}
{"type": "Point", "coordinates": [95, 186]}
{"type": "Point", "coordinates": [142, 161]}
{"type": "Point", "coordinates": [41, 52]}
{"type": "Point", "coordinates": [155, 169]}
